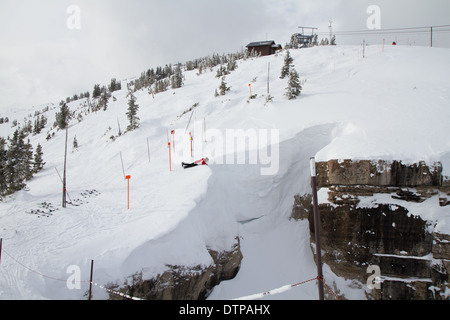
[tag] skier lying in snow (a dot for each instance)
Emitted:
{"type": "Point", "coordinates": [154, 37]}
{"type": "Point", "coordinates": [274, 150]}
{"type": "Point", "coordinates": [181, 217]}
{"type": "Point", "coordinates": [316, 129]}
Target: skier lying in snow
{"type": "Point", "coordinates": [201, 162]}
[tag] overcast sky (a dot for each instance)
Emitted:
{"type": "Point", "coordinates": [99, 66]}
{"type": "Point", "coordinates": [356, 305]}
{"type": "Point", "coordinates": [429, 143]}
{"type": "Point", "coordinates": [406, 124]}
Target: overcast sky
{"type": "Point", "coordinates": [42, 60]}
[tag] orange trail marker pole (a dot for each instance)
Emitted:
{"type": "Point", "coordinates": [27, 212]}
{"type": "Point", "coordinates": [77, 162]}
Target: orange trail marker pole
{"type": "Point", "coordinates": [128, 197]}
{"type": "Point", "coordinates": [191, 144]}
{"type": "Point", "coordinates": [250, 86]}
{"type": "Point", "coordinates": [170, 158]}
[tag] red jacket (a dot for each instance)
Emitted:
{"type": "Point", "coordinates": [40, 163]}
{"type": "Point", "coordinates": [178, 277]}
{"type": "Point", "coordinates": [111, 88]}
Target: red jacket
{"type": "Point", "coordinates": [202, 162]}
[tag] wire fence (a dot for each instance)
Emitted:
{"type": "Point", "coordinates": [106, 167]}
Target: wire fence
{"type": "Point", "coordinates": [123, 295]}
{"type": "Point", "coordinates": [284, 289]}
{"type": "Point", "coordinates": [434, 36]}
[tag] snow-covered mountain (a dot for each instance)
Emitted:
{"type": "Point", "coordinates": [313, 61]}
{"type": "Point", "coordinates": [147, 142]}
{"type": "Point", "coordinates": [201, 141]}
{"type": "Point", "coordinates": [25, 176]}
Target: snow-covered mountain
{"type": "Point", "coordinates": [391, 105]}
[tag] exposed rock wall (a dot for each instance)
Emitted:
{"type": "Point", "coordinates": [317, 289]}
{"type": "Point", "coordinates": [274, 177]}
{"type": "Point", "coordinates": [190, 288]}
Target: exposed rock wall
{"type": "Point", "coordinates": [378, 173]}
{"type": "Point", "coordinates": [184, 283]}
{"type": "Point", "coordinates": [414, 261]}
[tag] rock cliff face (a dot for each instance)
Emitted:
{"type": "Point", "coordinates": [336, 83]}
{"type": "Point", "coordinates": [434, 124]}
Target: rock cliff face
{"type": "Point", "coordinates": [359, 230]}
{"type": "Point", "coordinates": [184, 283]}
{"type": "Point", "coordinates": [378, 173]}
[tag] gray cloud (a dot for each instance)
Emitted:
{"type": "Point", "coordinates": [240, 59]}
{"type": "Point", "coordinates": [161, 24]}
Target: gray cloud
{"type": "Point", "coordinates": [41, 60]}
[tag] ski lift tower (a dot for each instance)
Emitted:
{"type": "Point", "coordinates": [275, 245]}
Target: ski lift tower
{"type": "Point", "coordinates": [302, 40]}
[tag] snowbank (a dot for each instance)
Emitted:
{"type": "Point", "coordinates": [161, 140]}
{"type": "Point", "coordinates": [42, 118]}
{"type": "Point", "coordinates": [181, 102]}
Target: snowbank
{"type": "Point", "coordinates": [390, 105]}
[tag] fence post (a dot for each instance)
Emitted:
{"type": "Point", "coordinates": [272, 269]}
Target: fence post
{"type": "Point", "coordinates": [128, 191]}
{"type": "Point", "coordinates": [431, 37]}
{"type": "Point", "coordinates": [170, 158]}
{"type": "Point", "coordinates": [204, 127]}
{"type": "Point", "coordinates": [1, 242]}
{"type": "Point", "coordinates": [364, 49]}
{"type": "Point", "coordinates": [121, 160]}
{"type": "Point", "coordinates": [148, 151]}
{"type": "Point", "coordinates": [64, 200]}
{"type": "Point", "coordinates": [317, 227]}
{"type": "Point", "coordinates": [90, 282]}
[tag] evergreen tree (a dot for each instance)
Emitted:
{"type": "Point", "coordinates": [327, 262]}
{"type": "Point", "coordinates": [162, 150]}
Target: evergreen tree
{"type": "Point", "coordinates": [333, 40]}
{"type": "Point", "coordinates": [28, 127]}
{"type": "Point", "coordinates": [232, 65]}
{"type": "Point", "coordinates": [200, 69]}
{"type": "Point", "coordinates": [27, 162]}
{"type": "Point", "coordinates": [97, 91]}
{"type": "Point", "coordinates": [37, 126]}
{"type": "Point", "coordinates": [177, 78]}
{"type": "Point", "coordinates": [254, 54]}
{"type": "Point", "coordinates": [132, 112]}
{"type": "Point", "coordinates": [3, 184]}
{"type": "Point", "coordinates": [18, 162]}
{"type": "Point", "coordinates": [190, 65]}
{"type": "Point", "coordinates": [75, 143]}
{"type": "Point", "coordinates": [104, 98]}
{"type": "Point", "coordinates": [294, 88]}
{"type": "Point", "coordinates": [219, 72]}
{"type": "Point", "coordinates": [12, 159]}
{"type": "Point", "coordinates": [115, 85]}
{"type": "Point", "coordinates": [288, 60]}
{"type": "Point", "coordinates": [63, 117]}
{"type": "Point", "coordinates": [324, 42]}
{"type": "Point", "coordinates": [38, 163]}
{"type": "Point", "coordinates": [315, 41]}
{"type": "Point", "coordinates": [223, 87]}
{"type": "Point", "coordinates": [156, 89]}
{"type": "Point", "coordinates": [151, 76]}
{"type": "Point", "coordinates": [168, 71]}
{"type": "Point", "coordinates": [43, 122]}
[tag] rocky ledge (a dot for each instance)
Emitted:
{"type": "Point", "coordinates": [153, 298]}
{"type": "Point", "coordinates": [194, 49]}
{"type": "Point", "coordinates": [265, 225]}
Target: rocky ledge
{"type": "Point", "coordinates": [368, 214]}
{"type": "Point", "coordinates": [183, 282]}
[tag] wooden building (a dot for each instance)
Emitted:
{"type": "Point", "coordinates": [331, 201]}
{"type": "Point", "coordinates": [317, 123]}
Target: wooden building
{"type": "Point", "coordinates": [265, 48]}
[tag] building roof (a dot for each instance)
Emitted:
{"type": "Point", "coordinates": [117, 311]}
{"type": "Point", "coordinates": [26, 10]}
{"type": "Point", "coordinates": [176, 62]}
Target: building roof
{"type": "Point", "coordinates": [261, 44]}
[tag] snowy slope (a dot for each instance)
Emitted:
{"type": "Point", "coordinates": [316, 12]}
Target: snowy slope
{"type": "Point", "coordinates": [390, 105]}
